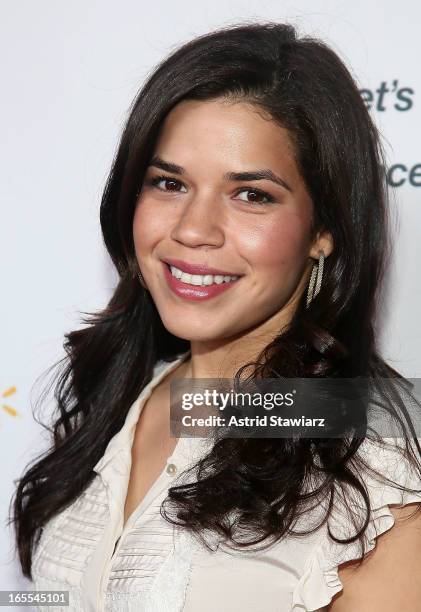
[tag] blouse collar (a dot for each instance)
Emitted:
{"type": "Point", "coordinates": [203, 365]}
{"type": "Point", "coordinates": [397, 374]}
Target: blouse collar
{"type": "Point", "coordinates": [123, 439]}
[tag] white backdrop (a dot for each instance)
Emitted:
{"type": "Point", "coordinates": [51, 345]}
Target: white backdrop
{"type": "Point", "coordinates": [69, 74]}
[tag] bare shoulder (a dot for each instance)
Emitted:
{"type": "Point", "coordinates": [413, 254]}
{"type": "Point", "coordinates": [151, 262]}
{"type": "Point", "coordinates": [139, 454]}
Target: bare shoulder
{"type": "Point", "coordinates": [389, 577]}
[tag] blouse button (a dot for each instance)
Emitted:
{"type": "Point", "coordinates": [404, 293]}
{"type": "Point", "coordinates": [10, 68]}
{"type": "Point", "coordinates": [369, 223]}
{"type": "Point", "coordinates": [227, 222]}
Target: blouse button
{"type": "Point", "coordinates": [171, 469]}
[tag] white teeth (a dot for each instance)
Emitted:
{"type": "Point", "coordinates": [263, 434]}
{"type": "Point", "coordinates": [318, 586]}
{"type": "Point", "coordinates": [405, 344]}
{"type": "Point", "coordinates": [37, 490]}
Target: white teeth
{"type": "Point", "coordinates": [199, 279]}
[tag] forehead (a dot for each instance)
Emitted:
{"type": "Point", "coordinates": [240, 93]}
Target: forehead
{"type": "Point", "coordinates": [224, 132]}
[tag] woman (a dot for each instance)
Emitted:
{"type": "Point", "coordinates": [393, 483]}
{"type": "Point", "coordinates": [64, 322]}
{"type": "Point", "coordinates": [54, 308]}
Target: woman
{"type": "Point", "coordinates": [246, 215]}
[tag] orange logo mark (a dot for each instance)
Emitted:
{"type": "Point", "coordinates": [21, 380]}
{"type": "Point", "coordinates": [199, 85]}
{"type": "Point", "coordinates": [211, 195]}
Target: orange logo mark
{"type": "Point", "coordinates": [11, 411]}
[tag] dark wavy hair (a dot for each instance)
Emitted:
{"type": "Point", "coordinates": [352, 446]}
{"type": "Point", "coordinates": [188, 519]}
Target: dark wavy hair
{"type": "Point", "coordinates": [305, 88]}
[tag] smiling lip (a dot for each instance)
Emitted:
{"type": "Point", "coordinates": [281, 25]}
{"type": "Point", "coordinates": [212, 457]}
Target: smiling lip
{"type": "Point", "coordinates": [195, 293]}
{"type": "Point", "coordinates": [197, 268]}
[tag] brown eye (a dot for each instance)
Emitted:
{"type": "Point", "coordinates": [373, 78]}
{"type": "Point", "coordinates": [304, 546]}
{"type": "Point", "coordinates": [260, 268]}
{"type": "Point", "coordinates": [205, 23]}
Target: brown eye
{"type": "Point", "coordinates": [257, 196]}
{"type": "Point", "coordinates": [171, 184]}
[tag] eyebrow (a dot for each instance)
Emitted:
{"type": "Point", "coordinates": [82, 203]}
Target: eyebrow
{"type": "Point", "coordinates": [255, 175]}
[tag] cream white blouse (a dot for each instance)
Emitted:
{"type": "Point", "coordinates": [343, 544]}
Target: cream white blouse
{"type": "Point", "coordinates": [153, 566]}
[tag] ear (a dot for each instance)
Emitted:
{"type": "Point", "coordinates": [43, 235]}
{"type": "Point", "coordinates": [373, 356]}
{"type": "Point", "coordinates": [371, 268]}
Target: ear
{"type": "Point", "coordinates": [324, 242]}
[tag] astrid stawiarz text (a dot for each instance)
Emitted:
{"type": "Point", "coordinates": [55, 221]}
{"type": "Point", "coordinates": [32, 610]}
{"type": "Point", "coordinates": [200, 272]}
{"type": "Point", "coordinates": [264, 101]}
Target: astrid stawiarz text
{"type": "Point", "coordinates": [259, 421]}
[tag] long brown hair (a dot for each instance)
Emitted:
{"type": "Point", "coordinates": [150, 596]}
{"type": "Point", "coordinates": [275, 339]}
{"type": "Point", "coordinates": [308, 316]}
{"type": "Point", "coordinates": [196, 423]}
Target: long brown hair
{"type": "Point", "coordinates": [306, 88]}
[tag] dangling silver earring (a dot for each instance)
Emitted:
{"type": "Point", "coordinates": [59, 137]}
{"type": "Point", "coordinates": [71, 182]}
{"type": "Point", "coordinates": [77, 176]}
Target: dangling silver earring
{"type": "Point", "coordinates": [315, 278]}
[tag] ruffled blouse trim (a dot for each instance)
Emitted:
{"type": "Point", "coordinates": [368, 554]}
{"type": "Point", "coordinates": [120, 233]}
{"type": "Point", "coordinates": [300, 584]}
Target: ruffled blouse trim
{"type": "Point", "coordinates": [169, 589]}
{"type": "Point", "coordinates": [320, 580]}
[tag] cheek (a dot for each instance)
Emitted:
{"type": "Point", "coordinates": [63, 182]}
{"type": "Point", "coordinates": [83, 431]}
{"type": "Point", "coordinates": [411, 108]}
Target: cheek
{"type": "Point", "coordinates": [281, 242]}
{"type": "Point", "coordinates": [148, 225]}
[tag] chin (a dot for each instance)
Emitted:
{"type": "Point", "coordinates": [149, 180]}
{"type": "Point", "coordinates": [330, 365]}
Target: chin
{"type": "Point", "coordinates": [195, 332]}
{"type": "Point", "coordinates": [187, 333]}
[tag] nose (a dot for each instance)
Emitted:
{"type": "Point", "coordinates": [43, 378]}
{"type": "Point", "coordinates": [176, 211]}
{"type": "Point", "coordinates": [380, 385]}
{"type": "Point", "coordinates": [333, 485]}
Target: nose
{"type": "Point", "coordinates": [200, 221]}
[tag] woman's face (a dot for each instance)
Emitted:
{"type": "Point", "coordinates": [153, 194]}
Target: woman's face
{"type": "Point", "coordinates": [200, 213]}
